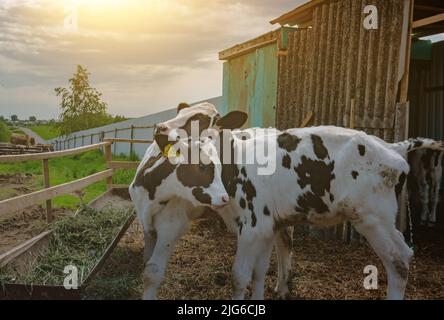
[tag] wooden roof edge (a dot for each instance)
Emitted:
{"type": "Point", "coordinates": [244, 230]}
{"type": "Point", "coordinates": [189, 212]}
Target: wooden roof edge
{"type": "Point", "coordinates": [293, 14]}
{"type": "Point", "coordinates": [250, 45]}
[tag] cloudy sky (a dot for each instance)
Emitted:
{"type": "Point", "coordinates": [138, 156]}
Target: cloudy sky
{"type": "Point", "coordinates": [144, 55]}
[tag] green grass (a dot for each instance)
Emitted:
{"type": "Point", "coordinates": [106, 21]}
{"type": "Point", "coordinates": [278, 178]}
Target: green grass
{"type": "Point", "coordinates": [68, 169]}
{"type": "Point", "coordinates": [47, 132]}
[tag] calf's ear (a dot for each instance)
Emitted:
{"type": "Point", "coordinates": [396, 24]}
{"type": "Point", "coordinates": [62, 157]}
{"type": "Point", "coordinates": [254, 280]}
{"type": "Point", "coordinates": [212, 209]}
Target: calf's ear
{"type": "Point", "coordinates": [233, 120]}
{"type": "Point", "coordinates": [182, 106]}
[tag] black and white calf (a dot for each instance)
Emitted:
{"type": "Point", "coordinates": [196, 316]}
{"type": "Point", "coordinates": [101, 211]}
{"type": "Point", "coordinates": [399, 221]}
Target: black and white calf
{"type": "Point", "coordinates": [425, 182]}
{"type": "Point", "coordinates": [169, 184]}
{"type": "Point", "coordinates": [323, 177]}
{"type": "Point", "coordinates": [164, 222]}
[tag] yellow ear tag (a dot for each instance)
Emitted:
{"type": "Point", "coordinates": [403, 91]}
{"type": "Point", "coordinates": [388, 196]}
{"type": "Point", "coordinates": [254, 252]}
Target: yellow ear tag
{"type": "Point", "coordinates": [166, 151]}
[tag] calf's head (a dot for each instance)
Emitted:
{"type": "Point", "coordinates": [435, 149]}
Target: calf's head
{"type": "Point", "coordinates": [191, 121]}
{"type": "Point", "coordinates": [181, 174]}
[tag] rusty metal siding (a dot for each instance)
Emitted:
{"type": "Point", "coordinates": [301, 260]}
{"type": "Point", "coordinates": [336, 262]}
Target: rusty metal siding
{"type": "Point", "coordinates": [250, 85]}
{"type": "Point", "coordinates": [337, 61]}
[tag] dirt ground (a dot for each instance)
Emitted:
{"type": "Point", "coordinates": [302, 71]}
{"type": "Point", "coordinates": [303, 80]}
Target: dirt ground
{"type": "Point", "coordinates": [201, 268]}
{"type": "Point", "coordinates": [15, 228]}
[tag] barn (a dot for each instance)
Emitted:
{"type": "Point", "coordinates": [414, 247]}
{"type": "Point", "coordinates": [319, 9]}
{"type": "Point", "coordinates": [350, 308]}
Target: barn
{"type": "Point", "coordinates": [372, 65]}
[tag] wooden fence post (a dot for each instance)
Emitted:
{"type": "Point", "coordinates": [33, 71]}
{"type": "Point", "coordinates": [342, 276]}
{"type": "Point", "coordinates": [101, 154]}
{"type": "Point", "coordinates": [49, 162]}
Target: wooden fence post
{"type": "Point", "coordinates": [92, 137]}
{"type": "Point", "coordinates": [108, 159]}
{"type": "Point", "coordinates": [132, 144]}
{"type": "Point", "coordinates": [401, 134]}
{"type": "Point", "coordinates": [49, 216]}
{"type": "Point", "coordinates": [115, 144]}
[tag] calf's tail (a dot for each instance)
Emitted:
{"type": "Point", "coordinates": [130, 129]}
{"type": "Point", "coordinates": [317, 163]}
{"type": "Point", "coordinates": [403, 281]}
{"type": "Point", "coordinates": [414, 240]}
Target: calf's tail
{"type": "Point", "coordinates": [405, 147]}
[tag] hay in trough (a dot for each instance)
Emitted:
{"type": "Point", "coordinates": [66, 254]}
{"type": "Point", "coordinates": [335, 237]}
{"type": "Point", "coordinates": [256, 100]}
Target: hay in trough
{"type": "Point", "coordinates": [79, 241]}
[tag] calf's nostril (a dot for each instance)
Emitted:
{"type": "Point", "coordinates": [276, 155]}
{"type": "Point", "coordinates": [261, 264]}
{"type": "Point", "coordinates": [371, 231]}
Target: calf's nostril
{"type": "Point", "coordinates": [225, 199]}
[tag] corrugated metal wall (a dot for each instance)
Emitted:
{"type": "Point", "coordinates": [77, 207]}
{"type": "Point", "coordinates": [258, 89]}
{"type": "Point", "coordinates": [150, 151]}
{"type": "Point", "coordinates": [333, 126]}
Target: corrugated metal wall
{"type": "Point", "coordinates": [427, 96]}
{"type": "Point", "coordinates": [337, 61]}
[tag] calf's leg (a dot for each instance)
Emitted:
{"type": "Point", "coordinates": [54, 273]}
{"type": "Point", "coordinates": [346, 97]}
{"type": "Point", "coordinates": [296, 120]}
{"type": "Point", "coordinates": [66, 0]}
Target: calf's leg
{"type": "Point", "coordinates": [150, 238]}
{"type": "Point", "coordinates": [436, 178]}
{"type": "Point", "coordinates": [170, 225]}
{"type": "Point", "coordinates": [284, 246]}
{"type": "Point", "coordinates": [263, 250]}
{"type": "Point", "coordinates": [242, 268]}
{"type": "Point", "coordinates": [424, 200]}
{"type": "Point", "coordinates": [389, 245]}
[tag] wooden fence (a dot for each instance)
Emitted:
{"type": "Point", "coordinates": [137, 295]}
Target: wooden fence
{"type": "Point", "coordinates": [49, 192]}
{"type": "Point", "coordinates": [9, 148]}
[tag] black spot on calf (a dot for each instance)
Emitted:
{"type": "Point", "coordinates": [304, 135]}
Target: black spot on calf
{"type": "Point", "coordinates": [195, 175]}
{"type": "Point", "coordinates": [203, 120]}
{"type": "Point", "coordinates": [249, 190]}
{"type": "Point", "coordinates": [355, 174]}
{"type": "Point", "coordinates": [154, 178]}
{"type": "Point", "coordinates": [240, 225]}
{"type": "Point", "coordinates": [400, 185]}
{"type": "Point", "coordinates": [319, 148]}
{"type": "Point", "coordinates": [243, 203]}
{"type": "Point", "coordinates": [309, 201]}
{"type": "Point", "coordinates": [316, 174]}
{"type": "Point", "coordinates": [361, 149]}
{"type": "Point", "coordinates": [253, 219]}
{"type": "Point", "coordinates": [288, 142]}
{"type": "Point", "coordinates": [266, 211]}
{"type": "Point", "coordinates": [230, 171]}
{"type": "Point", "coordinates": [286, 161]}
{"type": "Point", "coordinates": [201, 196]}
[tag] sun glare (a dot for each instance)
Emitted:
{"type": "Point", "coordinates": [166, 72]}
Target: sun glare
{"type": "Point", "coordinates": [99, 3]}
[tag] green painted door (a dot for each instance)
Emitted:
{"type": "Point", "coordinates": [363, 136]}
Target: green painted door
{"type": "Point", "coordinates": [250, 85]}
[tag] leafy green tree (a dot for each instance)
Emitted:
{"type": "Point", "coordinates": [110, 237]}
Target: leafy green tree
{"type": "Point", "coordinates": [81, 105]}
{"type": "Point", "coordinates": [14, 118]}
{"type": "Point", "coordinates": [32, 119]}
{"type": "Point", "coordinates": [5, 133]}
{"type": "Point", "coordinates": [2, 118]}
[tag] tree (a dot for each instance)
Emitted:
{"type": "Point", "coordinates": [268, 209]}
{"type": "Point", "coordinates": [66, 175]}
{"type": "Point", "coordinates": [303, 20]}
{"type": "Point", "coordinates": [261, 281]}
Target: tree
{"type": "Point", "coordinates": [32, 119]}
{"type": "Point", "coordinates": [14, 118]}
{"type": "Point", "coordinates": [4, 132]}
{"type": "Point", "coordinates": [2, 119]}
{"type": "Point", "coordinates": [82, 107]}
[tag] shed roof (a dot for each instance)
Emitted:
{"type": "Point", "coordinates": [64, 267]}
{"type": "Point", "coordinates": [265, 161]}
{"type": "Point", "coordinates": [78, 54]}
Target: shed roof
{"type": "Point", "coordinates": [303, 14]}
{"type": "Point", "coordinates": [300, 15]}
{"type": "Point", "coordinates": [250, 45]}
{"type": "Point", "coordinates": [426, 11]}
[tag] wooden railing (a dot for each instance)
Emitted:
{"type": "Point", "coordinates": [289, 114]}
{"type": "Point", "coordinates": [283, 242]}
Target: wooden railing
{"type": "Point", "coordinates": [48, 193]}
